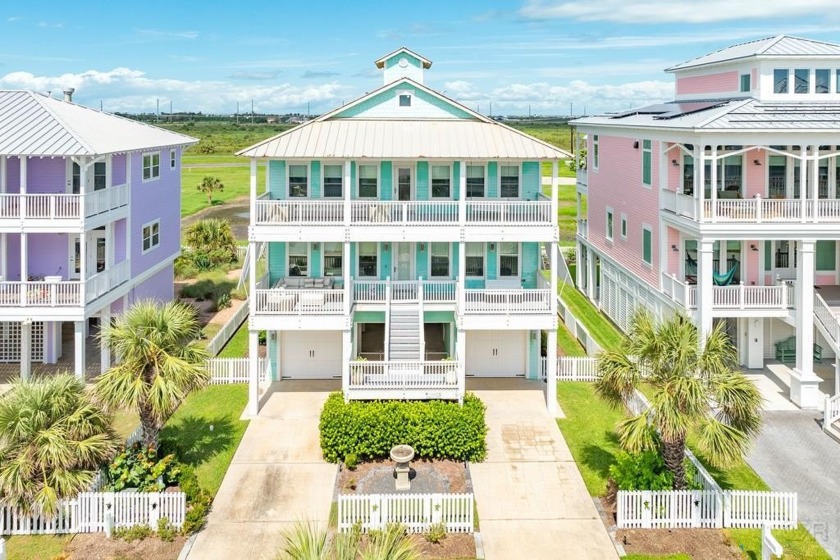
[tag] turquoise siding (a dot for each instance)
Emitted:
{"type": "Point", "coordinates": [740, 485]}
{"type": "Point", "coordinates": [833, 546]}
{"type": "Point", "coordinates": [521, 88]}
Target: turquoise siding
{"type": "Point", "coordinates": [530, 264]}
{"type": "Point", "coordinates": [276, 261]}
{"type": "Point", "coordinates": [385, 260]}
{"type": "Point", "coordinates": [412, 60]}
{"type": "Point", "coordinates": [369, 317]}
{"type": "Point", "coordinates": [530, 180]}
{"type": "Point", "coordinates": [492, 262]}
{"type": "Point", "coordinates": [353, 262]}
{"type": "Point", "coordinates": [315, 180]}
{"type": "Point", "coordinates": [456, 180]}
{"type": "Point", "coordinates": [273, 360]}
{"type": "Point", "coordinates": [421, 183]}
{"type": "Point", "coordinates": [455, 259]}
{"type": "Point", "coordinates": [438, 317]}
{"type": "Point", "coordinates": [533, 355]}
{"type": "Point", "coordinates": [475, 283]}
{"type": "Point", "coordinates": [492, 187]}
{"type": "Point", "coordinates": [354, 188]}
{"type": "Point", "coordinates": [315, 260]}
{"type": "Point", "coordinates": [277, 179]}
{"type": "Point", "coordinates": [386, 180]}
{"type": "Point", "coordinates": [421, 261]}
{"type": "Point", "coordinates": [388, 95]}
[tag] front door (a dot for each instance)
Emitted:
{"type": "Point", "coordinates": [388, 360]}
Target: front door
{"type": "Point", "coordinates": [404, 255]}
{"type": "Point", "coordinates": [784, 259]}
{"type": "Point", "coordinates": [95, 257]}
{"type": "Point", "coordinates": [404, 183]}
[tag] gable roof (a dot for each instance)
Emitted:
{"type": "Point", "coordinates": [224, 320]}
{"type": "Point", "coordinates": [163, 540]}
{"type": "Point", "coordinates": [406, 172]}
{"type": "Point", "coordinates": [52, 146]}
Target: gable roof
{"type": "Point", "coordinates": [778, 46]}
{"type": "Point", "coordinates": [426, 62]}
{"type": "Point", "coordinates": [35, 124]}
{"type": "Point", "coordinates": [477, 137]}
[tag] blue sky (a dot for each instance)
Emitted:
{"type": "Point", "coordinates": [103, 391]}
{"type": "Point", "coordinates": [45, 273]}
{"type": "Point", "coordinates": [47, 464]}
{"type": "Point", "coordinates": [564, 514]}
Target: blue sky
{"type": "Point", "coordinates": [547, 54]}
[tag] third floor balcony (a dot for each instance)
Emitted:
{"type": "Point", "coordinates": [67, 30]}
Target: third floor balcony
{"type": "Point", "coordinates": [56, 211]}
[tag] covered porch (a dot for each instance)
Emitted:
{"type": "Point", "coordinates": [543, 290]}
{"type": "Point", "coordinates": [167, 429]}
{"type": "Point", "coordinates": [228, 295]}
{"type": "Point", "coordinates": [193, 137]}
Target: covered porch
{"type": "Point", "coordinates": [774, 382]}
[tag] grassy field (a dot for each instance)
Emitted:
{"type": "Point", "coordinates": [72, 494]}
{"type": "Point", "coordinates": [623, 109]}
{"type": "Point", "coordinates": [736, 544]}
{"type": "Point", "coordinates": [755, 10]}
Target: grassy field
{"type": "Point", "coordinates": [604, 332]}
{"type": "Point", "coordinates": [224, 138]}
{"type": "Point", "coordinates": [36, 547]}
{"type": "Point", "coordinates": [235, 179]}
{"type": "Point", "coordinates": [237, 346]}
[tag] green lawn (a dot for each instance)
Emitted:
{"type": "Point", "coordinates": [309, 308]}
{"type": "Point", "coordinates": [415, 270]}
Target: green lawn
{"type": "Point", "coordinates": [236, 180]}
{"type": "Point", "coordinates": [601, 328]}
{"type": "Point", "coordinates": [36, 547]}
{"type": "Point", "coordinates": [568, 344]}
{"type": "Point", "coordinates": [589, 431]}
{"type": "Point", "coordinates": [217, 159]}
{"type": "Point", "coordinates": [798, 543]}
{"type": "Point", "coordinates": [188, 432]}
{"type": "Point", "coordinates": [237, 346]}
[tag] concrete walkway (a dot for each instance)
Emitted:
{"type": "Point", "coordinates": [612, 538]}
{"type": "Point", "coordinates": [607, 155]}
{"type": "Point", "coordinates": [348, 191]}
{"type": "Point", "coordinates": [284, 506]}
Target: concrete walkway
{"type": "Point", "coordinates": [277, 477]}
{"type": "Point", "coordinates": [793, 454]}
{"type": "Point", "coordinates": [531, 499]}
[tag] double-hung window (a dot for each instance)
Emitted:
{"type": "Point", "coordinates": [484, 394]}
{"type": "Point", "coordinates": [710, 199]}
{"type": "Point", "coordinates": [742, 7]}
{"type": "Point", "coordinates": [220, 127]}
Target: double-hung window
{"type": "Point", "coordinates": [151, 235]}
{"type": "Point", "coordinates": [441, 181]}
{"type": "Point", "coordinates": [508, 259]}
{"type": "Point", "coordinates": [609, 232]}
{"type": "Point", "coordinates": [801, 80]}
{"type": "Point", "coordinates": [368, 179]}
{"type": "Point", "coordinates": [151, 166]}
{"type": "Point", "coordinates": [368, 260]}
{"type": "Point", "coordinates": [647, 245]}
{"type": "Point", "coordinates": [780, 80]}
{"type": "Point", "coordinates": [822, 80]}
{"type": "Point", "coordinates": [439, 260]}
{"type": "Point", "coordinates": [333, 259]}
{"type": "Point", "coordinates": [509, 181]}
{"type": "Point", "coordinates": [333, 181]}
{"type": "Point", "coordinates": [475, 181]}
{"type": "Point", "coordinates": [100, 175]}
{"type": "Point", "coordinates": [298, 259]}
{"type": "Point", "coordinates": [596, 148]}
{"type": "Point", "coordinates": [173, 161]}
{"type": "Point", "coordinates": [298, 181]}
{"type": "Point", "coordinates": [647, 162]}
{"type": "Point", "coordinates": [474, 259]}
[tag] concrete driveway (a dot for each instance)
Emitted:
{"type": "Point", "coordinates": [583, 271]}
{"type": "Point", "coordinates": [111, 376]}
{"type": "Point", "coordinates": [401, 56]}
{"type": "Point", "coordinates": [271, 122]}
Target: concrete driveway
{"type": "Point", "coordinates": [531, 499]}
{"type": "Point", "coordinates": [277, 477]}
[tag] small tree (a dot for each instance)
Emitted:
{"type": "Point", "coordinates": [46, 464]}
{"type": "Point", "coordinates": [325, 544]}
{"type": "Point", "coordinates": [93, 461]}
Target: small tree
{"type": "Point", "coordinates": [209, 185]}
{"type": "Point", "coordinates": [53, 439]}
{"type": "Point", "coordinates": [211, 243]}
{"type": "Point", "coordinates": [694, 389]}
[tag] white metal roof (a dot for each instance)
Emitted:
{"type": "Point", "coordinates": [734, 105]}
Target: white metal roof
{"type": "Point", "coordinates": [425, 61]}
{"type": "Point", "coordinates": [741, 115]}
{"type": "Point", "coordinates": [38, 125]}
{"type": "Point", "coordinates": [410, 139]}
{"type": "Point", "coordinates": [778, 46]}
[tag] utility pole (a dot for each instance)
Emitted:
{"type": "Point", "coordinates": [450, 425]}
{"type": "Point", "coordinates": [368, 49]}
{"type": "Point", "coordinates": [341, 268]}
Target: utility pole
{"type": "Point", "coordinates": [571, 109]}
{"type": "Point", "coordinates": [157, 112]}
{"type": "Point", "coordinates": [100, 105]}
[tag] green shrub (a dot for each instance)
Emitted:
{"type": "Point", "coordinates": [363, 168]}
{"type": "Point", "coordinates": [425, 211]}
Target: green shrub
{"type": "Point", "coordinates": [351, 461]}
{"type": "Point", "coordinates": [222, 302]}
{"type": "Point", "coordinates": [646, 471]}
{"type": "Point", "coordinates": [198, 501]}
{"type": "Point", "coordinates": [133, 533]}
{"type": "Point", "coordinates": [435, 533]}
{"type": "Point", "coordinates": [435, 429]}
{"type": "Point", "coordinates": [140, 467]}
{"type": "Point", "coordinates": [165, 530]}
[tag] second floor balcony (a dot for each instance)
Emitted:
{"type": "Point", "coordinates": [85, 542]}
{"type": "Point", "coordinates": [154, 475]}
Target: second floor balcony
{"type": "Point", "coordinates": [778, 298]}
{"type": "Point", "coordinates": [57, 210]}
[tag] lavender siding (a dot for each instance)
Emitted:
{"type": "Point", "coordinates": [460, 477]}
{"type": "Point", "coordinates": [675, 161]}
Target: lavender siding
{"type": "Point", "coordinates": [155, 200]}
{"type": "Point", "coordinates": [119, 240]}
{"type": "Point", "coordinates": [12, 174]}
{"type": "Point", "coordinates": [46, 175]}
{"type": "Point", "coordinates": [159, 287]}
{"type": "Point", "coordinates": [118, 169]}
{"type": "Point", "coordinates": [48, 252]}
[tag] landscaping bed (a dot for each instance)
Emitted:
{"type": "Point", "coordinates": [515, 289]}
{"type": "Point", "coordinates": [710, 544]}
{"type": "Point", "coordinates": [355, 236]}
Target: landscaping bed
{"type": "Point", "coordinates": [697, 544]}
{"type": "Point", "coordinates": [95, 546]}
{"type": "Point", "coordinates": [377, 477]}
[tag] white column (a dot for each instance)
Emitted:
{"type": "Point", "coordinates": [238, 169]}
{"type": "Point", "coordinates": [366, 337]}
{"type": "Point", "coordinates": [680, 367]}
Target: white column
{"type": "Point", "coordinates": [836, 376]}
{"type": "Point", "coordinates": [346, 356]}
{"type": "Point", "coordinates": [555, 180]}
{"type": "Point", "coordinates": [551, 373]}
{"type": "Point", "coordinates": [3, 239]}
{"type": "Point", "coordinates": [553, 247]}
{"type": "Point", "coordinates": [714, 181]}
{"type": "Point", "coordinates": [705, 288]}
{"type": "Point", "coordinates": [253, 373]}
{"type": "Point", "coordinates": [462, 275]}
{"type": "Point", "coordinates": [804, 384]}
{"type": "Point", "coordinates": [79, 348]}
{"type": "Point", "coordinates": [803, 180]}
{"type": "Point", "coordinates": [462, 192]}
{"type": "Point", "coordinates": [348, 192]}
{"type": "Point", "coordinates": [579, 265]}
{"type": "Point", "coordinates": [461, 350]}
{"type": "Point", "coordinates": [24, 160]}
{"type": "Point", "coordinates": [128, 232]}
{"type": "Point", "coordinates": [24, 264]}
{"type": "Point", "coordinates": [109, 245]}
{"type": "Point", "coordinates": [590, 274]}
{"type": "Point", "coordinates": [345, 271]}
{"type": "Point", "coordinates": [25, 349]}
{"type": "Point", "coordinates": [815, 182]}
{"type": "Point", "coordinates": [253, 188]}
{"type": "Point", "coordinates": [700, 179]}
{"type": "Point", "coordinates": [105, 350]}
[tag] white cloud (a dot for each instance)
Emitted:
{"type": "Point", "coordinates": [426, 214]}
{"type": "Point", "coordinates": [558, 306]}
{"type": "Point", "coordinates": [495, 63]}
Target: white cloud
{"type": "Point", "coordinates": [672, 11]}
{"type": "Point", "coordinates": [130, 90]}
{"type": "Point", "coordinates": [11, 19]}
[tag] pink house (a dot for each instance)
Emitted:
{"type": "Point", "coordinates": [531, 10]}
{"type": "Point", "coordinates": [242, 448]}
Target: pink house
{"type": "Point", "coordinates": [89, 222]}
{"type": "Point", "coordinates": [724, 204]}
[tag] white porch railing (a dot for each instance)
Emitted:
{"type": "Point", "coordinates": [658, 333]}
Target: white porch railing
{"type": "Point", "coordinates": [41, 294]}
{"type": "Point", "coordinates": [105, 200]}
{"type": "Point", "coordinates": [739, 296]}
{"type": "Point", "coordinates": [507, 302]}
{"type": "Point", "coordinates": [583, 228]}
{"type": "Point", "coordinates": [415, 512]}
{"type": "Point", "coordinates": [752, 210]}
{"type": "Point", "coordinates": [105, 281]}
{"type": "Point", "coordinates": [404, 375]}
{"type": "Point", "coordinates": [439, 291]}
{"type": "Point", "coordinates": [582, 177]}
{"type": "Point", "coordinates": [226, 371]}
{"type": "Point", "coordinates": [59, 206]}
{"type": "Point", "coordinates": [518, 212]}
{"type": "Point", "coordinates": [831, 410]}
{"type": "Point", "coordinates": [434, 291]}
{"type": "Point", "coordinates": [369, 291]}
{"type": "Point", "coordinates": [827, 318]}
{"type": "Point", "coordinates": [384, 212]}
{"type": "Point", "coordinates": [303, 301]}
{"type": "Point", "coordinates": [299, 212]}
{"type": "Point", "coordinates": [679, 203]}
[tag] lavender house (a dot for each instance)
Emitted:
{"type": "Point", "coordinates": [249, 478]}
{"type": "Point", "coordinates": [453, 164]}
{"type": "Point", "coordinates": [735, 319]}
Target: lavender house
{"type": "Point", "coordinates": [89, 222]}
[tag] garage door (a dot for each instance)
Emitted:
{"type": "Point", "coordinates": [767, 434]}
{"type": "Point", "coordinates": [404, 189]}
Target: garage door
{"type": "Point", "coordinates": [310, 354]}
{"type": "Point", "coordinates": [496, 354]}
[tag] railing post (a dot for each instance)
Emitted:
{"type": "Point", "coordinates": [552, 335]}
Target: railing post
{"type": "Point", "coordinates": [420, 333]}
{"type": "Point", "coordinates": [741, 294]}
{"type": "Point", "coordinates": [405, 213]}
{"type": "Point", "coordinates": [758, 208]}
{"type": "Point", "coordinates": [387, 321]}
{"type": "Point", "coordinates": [784, 294]}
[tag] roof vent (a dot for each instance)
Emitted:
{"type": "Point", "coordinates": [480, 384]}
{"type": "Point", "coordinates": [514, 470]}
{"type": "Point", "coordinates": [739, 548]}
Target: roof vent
{"type": "Point", "coordinates": [68, 94]}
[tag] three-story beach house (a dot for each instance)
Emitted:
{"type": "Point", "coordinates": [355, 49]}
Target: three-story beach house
{"type": "Point", "coordinates": [89, 221]}
{"type": "Point", "coordinates": [725, 204]}
{"type": "Point", "coordinates": [403, 234]}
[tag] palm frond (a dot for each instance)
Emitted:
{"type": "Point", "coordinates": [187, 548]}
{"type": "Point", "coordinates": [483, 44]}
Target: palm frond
{"type": "Point", "coordinates": [635, 434]}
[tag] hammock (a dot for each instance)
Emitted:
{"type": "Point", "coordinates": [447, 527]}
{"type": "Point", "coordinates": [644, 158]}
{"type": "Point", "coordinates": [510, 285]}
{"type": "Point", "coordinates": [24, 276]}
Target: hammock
{"type": "Point", "coordinates": [726, 278]}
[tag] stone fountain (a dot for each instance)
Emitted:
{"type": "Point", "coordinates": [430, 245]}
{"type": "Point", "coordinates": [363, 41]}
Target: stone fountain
{"type": "Point", "coordinates": [401, 455]}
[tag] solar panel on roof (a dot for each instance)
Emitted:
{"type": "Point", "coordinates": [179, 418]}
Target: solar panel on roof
{"type": "Point", "coordinates": [682, 109]}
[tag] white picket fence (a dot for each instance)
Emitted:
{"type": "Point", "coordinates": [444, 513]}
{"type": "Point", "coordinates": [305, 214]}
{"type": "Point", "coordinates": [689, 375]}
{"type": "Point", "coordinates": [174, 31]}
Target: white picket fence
{"type": "Point", "coordinates": [571, 368]}
{"type": "Point", "coordinates": [683, 509]}
{"type": "Point", "coordinates": [228, 330]}
{"type": "Point", "coordinates": [225, 371]}
{"type": "Point", "coordinates": [86, 513]}
{"type": "Point", "coordinates": [413, 511]}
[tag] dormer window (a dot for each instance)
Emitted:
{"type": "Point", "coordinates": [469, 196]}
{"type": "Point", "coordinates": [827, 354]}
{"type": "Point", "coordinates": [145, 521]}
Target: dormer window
{"type": "Point", "coordinates": [801, 83]}
{"type": "Point", "coordinates": [780, 80]}
{"type": "Point", "coordinates": [822, 80]}
{"type": "Point", "coordinates": [745, 83]}
{"type": "Point", "coordinates": [404, 99]}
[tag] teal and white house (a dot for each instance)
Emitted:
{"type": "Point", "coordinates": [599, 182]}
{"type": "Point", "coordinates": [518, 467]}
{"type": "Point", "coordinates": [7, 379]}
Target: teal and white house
{"type": "Point", "coordinates": [404, 235]}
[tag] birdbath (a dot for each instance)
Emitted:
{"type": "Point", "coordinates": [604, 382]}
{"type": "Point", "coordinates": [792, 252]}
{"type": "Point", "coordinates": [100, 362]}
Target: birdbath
{"type": "Point", "coordinates": [401, 455]}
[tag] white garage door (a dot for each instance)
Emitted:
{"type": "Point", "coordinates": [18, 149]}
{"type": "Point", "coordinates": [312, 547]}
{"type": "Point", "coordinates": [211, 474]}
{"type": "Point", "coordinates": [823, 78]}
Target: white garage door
{"type": "Point", "coordinates": [496, 354]}
{"type": "Point", "coordinates": [310, 354]}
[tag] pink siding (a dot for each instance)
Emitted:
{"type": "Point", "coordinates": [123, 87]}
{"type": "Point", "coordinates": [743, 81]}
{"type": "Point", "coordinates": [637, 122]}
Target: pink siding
{"type": "Point", "coordinates": [754, 79]}
{"type": "Point", "coordinates": [756, 174]}
{"type": "Point", "coordinates": [159, 287]}
{"type": "Point", "coordinates": [752, 263]}
{"type": "Point", "coordinates": [618, 184]}
{"type": "Point", "coordinates": [674, 171]}
{"type": "Point", "coordinates": [673, 256]}
{"type": "Point", "coordinates": [825, 279]}
{"type": "Point", "coordinates": [709, 83]}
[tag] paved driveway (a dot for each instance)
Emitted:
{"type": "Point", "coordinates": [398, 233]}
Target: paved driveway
{"type": "Point", "coordinates": [277, 477]}
{"type": "Point", "coordinates": [792, 454]}
{"type": "Point", "coordinates": [531, 499]}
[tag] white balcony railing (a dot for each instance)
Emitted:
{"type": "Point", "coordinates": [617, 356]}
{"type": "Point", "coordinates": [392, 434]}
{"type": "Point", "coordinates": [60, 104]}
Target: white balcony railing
{"type": "Point", "coordinates": [583, 228]}
{"type": "Point", "coordinates": [752, 210]}
{"type": "Point", "coordinates": [100, 284]}
{"type": "Point", "coordinates": [507, 302]}
{"type": "Point", "coordinates": [381, 212]}
{"type": "Point", "coordinates": [737, 296]}
{"type": "Point", "coordinates": [509, 212]}
{"type": "Point", "coordinates": [299, 212]}
{"type": "Point", "coordinates": [404, 375]}
{"type": "Point", "coordinates": [41, 294]}
{"type": "Point", "coordinates": [582, 179]}
{"type": "Point", "coordinates": [827, 318]}
{"type": "Point", "coordinates": [299, 302]}
{"type": "Point", "coordinates": [63, 206]}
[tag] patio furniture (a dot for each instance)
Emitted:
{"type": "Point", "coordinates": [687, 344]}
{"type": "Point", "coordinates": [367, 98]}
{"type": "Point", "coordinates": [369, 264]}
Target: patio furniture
{"type": "Point", "coordinates": [786, 350]}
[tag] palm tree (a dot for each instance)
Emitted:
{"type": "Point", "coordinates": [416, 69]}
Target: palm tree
{"type": "Point", "coordinates": [53, 439]}
{"type": "Point", "coordinates": [213, 239]}
{"type": "Point", "coordinates": [158, 362]}
{"type": "Point", "coordinates": [208, 186]}
{"type": "Point", "coordinates": [694, 389]}
{"type": "Point", "coordinates": [308, 541]}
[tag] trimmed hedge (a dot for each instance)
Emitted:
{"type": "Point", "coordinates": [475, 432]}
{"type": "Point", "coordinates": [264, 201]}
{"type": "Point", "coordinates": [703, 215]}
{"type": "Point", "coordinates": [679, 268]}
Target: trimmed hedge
{"type": "Point", "coordinates": [435, 429]}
